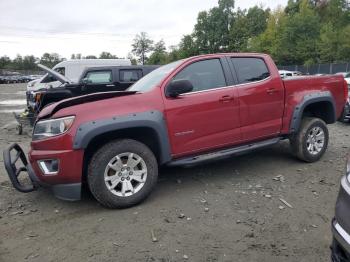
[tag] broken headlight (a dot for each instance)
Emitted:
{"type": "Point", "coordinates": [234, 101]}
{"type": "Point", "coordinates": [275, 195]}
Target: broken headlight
{"type": "Point", "coordinates": [53, 127]}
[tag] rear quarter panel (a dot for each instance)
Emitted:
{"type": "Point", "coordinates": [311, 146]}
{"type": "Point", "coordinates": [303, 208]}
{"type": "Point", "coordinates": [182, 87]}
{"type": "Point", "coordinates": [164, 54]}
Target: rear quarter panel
{"type": "Point", "coordinates": [297, 88]}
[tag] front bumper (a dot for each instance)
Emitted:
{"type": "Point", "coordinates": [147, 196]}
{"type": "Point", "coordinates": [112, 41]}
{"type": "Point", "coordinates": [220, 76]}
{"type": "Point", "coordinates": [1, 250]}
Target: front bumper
{"type": "Point", "coordinates": [16, 163]}
{"type": "Point", "coordinates": [341, 224]}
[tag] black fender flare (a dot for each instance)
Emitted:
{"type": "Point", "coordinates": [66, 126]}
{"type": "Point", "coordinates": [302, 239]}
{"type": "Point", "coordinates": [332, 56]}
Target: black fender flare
{"type": "Point", "coordinates": [309, 99]}
{"type": "Point", "coordinates": [149, 119]}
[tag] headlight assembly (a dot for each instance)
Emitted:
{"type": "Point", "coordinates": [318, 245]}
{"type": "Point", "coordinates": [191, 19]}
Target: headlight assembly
{"type": "Point", "coordinates": [52, 127]}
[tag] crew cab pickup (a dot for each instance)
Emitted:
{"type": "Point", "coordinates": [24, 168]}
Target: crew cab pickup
{"type": "Point", "coordinates": [92, 80]}
{"type": "Point", "coordinates": [195, 110]}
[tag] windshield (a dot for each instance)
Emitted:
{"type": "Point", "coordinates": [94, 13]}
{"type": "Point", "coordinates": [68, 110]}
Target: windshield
{"type": "Point", "coordinates": [155, 77]}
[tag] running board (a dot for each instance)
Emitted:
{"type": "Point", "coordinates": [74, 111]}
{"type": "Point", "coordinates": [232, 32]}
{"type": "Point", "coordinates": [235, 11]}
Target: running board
{"type": "Point", "coordinates": [194, 160]}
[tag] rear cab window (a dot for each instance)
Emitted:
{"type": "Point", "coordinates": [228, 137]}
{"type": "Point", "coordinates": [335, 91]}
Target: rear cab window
{"type": "Point", "coordinates": [129, 75]}
{"type": "Point", "coordinates": [250, 69]}
{"type": "Point", "coordinates": [98, 77]}
{"type": "Point", "coordinates": [204, 75]}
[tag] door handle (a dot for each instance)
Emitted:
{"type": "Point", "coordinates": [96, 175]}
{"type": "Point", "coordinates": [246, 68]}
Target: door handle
{"type": "Point", "coordinates": [226, 99]}
{"type": "Point", "coordinates": [110, 85]}
{"type": "Point", "coordinates": [271, 91]}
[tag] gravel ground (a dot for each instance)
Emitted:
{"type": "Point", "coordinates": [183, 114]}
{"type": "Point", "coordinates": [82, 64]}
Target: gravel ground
{"type": "Point", "coordinates": [225, 211]}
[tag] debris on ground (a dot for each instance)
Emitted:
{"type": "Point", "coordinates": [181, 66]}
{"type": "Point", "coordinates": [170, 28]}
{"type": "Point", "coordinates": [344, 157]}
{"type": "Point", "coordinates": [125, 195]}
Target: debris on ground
{"type": "Point", "coordinates": [181, 216]}
{"type": "Point", "coordinates": [279, 178]}
{"type": "Point", "coordinates": [154, 239]}
{"type": "Point", "coordinates": [286, 203]}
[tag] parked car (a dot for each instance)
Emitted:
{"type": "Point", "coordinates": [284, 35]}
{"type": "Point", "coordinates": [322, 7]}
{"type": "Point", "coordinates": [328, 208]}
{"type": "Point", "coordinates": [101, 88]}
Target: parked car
{"type": "Point", "coordinates": [341, 223]}
{"type": "Point", "coordinates": [72, 69]}
{"type": "Point", "coordinates": [2, 80]}
{"type": "Point", "coordinates": [92, 80]}
{"type": "Point", "coordinates": [285, 73]}
{"type": "Point", "coordinates": [12, 79]}
{"type": "Point", "coordinates": [185, 113]}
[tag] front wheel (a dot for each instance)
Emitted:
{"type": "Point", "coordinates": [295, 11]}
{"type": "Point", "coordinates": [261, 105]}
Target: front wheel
{"type": "Point", "coordinates": [311, 141]}
{"type": "Point", "coordinates": [122, 173]}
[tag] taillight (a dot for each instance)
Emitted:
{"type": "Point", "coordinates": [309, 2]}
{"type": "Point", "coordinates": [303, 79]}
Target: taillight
{"type": "Point", "coordinates": [346, 91]}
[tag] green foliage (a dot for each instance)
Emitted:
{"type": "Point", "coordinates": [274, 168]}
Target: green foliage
{"type": "Point", "coordinates": [159, 55]}
{"type": "Point", "coordinates": [141, 46]}
{"type": "Point", "coordinates": [107, 55]}
{"type": "Point", "coordinates": [50, 60]}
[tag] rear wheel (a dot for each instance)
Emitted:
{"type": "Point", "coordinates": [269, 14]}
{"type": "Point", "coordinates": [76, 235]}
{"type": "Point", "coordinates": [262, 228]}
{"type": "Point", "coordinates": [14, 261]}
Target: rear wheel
{"type": "Point", "coordinates": [311, 141]}
{"type": "Point", "coordinates": [122, 173]}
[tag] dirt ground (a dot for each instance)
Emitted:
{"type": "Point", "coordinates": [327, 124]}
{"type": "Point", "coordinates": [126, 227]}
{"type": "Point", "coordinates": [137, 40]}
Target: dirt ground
{"type": "Point", "coordinates": [225, 211]}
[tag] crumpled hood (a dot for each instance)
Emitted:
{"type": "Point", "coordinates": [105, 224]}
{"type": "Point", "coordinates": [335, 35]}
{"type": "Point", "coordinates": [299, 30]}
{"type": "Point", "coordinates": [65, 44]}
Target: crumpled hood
{"type": "Point", "coordinates": [53, 108]}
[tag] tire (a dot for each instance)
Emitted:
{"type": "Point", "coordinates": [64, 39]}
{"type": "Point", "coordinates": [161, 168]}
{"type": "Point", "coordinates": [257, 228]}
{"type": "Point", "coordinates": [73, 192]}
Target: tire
{"type": "Point", "coordinates": [306, 144]}
{"type": "Point", "coordinates": [104, 164]}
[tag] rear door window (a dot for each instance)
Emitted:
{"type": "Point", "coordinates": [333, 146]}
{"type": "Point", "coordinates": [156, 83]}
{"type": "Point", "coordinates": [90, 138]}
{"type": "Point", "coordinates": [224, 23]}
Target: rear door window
{"type": "Point", "coordinates": [129, 75]}
{"type": "Point", "coordinates": [99, 77]}
{"type": "Point", "coordinates": [250, 69]}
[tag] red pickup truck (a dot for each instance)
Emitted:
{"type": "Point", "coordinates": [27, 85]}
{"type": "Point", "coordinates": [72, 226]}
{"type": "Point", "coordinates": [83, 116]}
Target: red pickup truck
{"type": "Point", "coordinates": [184, 113]}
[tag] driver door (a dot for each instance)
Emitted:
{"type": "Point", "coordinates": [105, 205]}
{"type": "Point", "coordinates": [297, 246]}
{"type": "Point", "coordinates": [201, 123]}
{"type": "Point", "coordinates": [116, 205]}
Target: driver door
{"type": "Point", "coordinates": [206, 118]}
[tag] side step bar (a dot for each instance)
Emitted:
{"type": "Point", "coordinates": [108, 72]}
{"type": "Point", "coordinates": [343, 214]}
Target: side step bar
{"type": "Point", "coordinates": [194, 160]}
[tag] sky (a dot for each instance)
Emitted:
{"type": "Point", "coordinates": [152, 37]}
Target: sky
{"type": "Point", "coordinates": [92, 26]}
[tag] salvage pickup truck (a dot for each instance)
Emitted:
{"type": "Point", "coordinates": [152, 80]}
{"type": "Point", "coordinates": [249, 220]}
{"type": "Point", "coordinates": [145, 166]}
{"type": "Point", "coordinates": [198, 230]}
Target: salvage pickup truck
{"type": "Point", "coordinates": [191, 111]}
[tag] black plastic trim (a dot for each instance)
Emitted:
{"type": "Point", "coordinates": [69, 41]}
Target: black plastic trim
{"type": "Point", "coordinates": [14, 172]}
{"type": "Point", "coordinates": [67, 192]}
{"type": "Point", "coordinates": [325, 96]}
{"type": "Point", "coordinates": [223, 153]}
{"type": "Point", "coordinates": [151, 119]}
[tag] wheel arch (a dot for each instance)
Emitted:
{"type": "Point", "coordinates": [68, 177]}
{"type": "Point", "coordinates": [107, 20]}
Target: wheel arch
{"type": "Point", "coordinates": [319, 105]}
{"type": "Point", "coordinates": [147, 127]}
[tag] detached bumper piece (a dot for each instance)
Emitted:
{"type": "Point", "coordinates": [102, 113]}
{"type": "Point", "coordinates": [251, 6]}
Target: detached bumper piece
{"type": "Point", "coordinates": [14, 157]}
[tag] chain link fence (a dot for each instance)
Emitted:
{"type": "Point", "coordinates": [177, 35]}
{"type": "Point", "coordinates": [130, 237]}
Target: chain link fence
{"type": "Point", "coordinates": [318, 69]}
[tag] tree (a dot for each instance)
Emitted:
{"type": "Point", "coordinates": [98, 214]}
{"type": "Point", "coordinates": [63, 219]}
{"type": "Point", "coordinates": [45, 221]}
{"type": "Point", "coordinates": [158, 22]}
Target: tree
{"type": "Point", "coordinates": [50, 60]}
{"type": "Point", "coordinates": [212, 29]}
{"type": "Point", "coordinates": [17, 63]}
{"type": "Point", "coordinates": [90, 57]}
{"type": "Point", "coordinates": [141, 46]}
{"type": "Point", "coordinates": [187, 47]}
{"type": "Point", "coordinates": [132, 59]}
{"type": "Point", "coordinates": [5, 61]}
{"type": "Point", "coordinates": [29, 62]}
{"type": "Point", "coordinates": [159, 55]}
{"type": "Point", "coordinates": [107, 55]}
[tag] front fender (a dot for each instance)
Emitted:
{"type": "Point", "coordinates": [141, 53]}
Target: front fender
{"type": "Point", "coordinates": [150, 119]}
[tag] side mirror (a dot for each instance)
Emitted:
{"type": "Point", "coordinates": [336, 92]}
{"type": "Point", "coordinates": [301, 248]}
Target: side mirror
{"type": "Point", "coordinates": [85, 81]}
{"type": "Point", "coordinates": [178, 87]}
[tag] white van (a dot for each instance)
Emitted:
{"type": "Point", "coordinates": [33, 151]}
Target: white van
{"type": "Point", "coordinates": [73, 69]}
